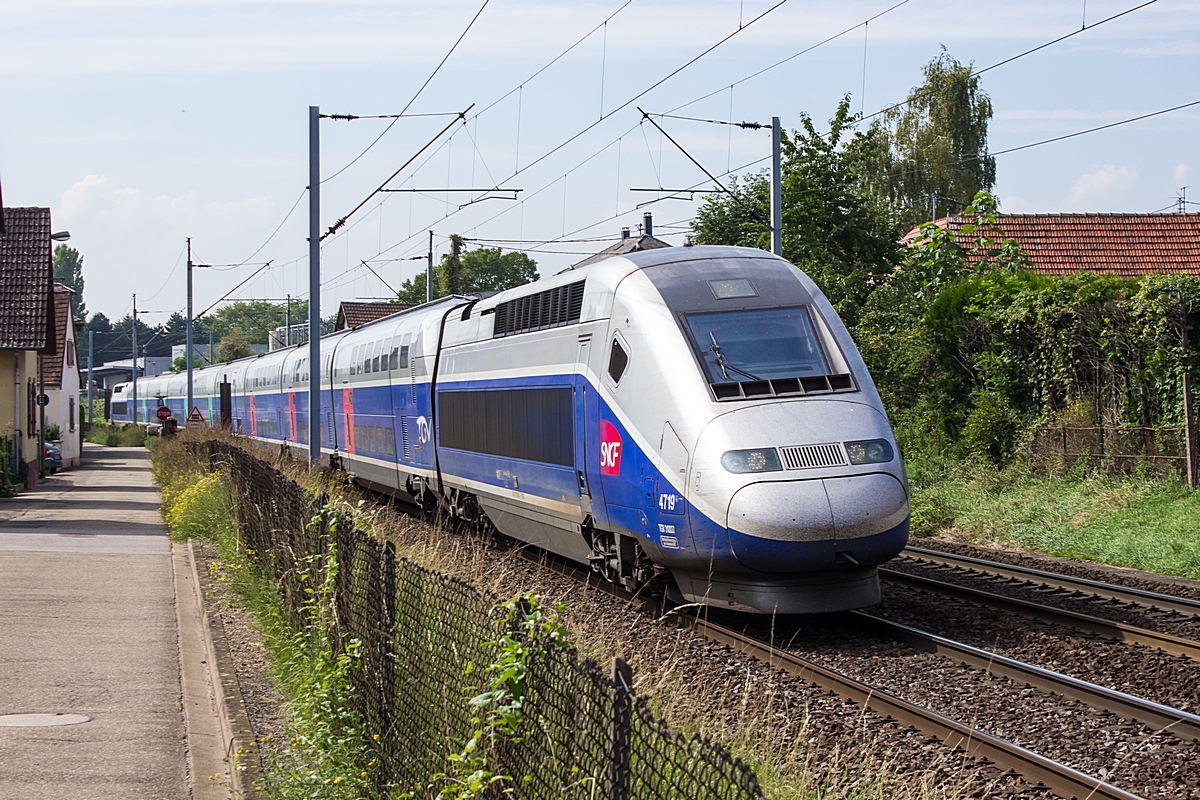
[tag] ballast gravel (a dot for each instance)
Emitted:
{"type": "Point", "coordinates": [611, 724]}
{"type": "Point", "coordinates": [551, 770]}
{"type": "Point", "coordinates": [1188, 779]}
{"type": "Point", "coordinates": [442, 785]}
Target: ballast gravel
{"type": "Point", "coordinates": [1125, 753]}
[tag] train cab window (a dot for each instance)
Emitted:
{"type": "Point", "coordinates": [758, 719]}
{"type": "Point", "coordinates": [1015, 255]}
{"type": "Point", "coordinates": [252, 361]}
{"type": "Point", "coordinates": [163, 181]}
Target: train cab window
{"type": "Point", "coordinates": [618, 360]}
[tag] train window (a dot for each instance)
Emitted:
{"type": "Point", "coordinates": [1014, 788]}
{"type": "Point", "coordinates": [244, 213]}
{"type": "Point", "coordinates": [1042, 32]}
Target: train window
{"type": "Point", "coordinates": [618, 360]}
{"type": "Point", "coordinates": [404, 357]}
{"type": "Point", "coordinates": [758, 344]}
{"type": "Point", "coordinates": [365, 356]}
{"type": "Point", "coordinates": [375, 356]}
{"type": "Point", "coordinates": [731, 288]}
{"type": "Point", "coordinates": [394, 359]}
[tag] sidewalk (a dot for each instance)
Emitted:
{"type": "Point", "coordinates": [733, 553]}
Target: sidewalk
{"type": "Point", "coordinates": [88, 626]}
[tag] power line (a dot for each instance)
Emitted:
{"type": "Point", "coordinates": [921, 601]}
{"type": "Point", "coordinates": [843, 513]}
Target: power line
{"type": "Point", "coordinates": [342, 221]}
{"type": "Point", "coordinates": [1089, 130]}
{"type": "Point", "coordinates": [415, 96]}
{"type": "Point", "coordinates": [518, 170]}
{"type": "Point", "coordinates": [1030, 51]}
{"type": "Point", "coordinates": [796, 55]}
{"type": "Point", "coordinates": [753, 212]}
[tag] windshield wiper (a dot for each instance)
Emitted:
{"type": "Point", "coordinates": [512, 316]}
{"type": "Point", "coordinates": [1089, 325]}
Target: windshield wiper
{"type": "Point", "coordinates": [724, 364]}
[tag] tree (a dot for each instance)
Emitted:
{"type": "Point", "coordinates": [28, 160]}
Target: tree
{"type": "Point", "coordinates": [234, 345]}
{"type": "Point", "coordinates": [486, 269]}
{"type": "Point", "coordinates": [68, 270]}
{"type": "Point", "coordinates": [832, 228]}
{"type": "Point", "coordinates": [938, 144]}
{"type": "Point", "coordinates": [99, 323]}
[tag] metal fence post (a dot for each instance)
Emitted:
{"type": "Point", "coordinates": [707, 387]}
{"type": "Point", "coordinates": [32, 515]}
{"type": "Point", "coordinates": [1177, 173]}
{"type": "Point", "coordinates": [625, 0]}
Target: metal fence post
{"type": "Point", "coordinates": [1189, 433]}
{"type": "Point", "coordinates": [620, 746]}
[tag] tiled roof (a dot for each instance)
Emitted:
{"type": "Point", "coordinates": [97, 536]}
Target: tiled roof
{"type": "Point", "coordinates": [633, 244]}
{"type": "Point", "coordinates": [52, 368]}
{"type": "Point", "coordinates": [353, 314]}
{"type": "Point", "coordinates": [26, 281]}
{"type": "Point", "coordinates": [1128, 245]}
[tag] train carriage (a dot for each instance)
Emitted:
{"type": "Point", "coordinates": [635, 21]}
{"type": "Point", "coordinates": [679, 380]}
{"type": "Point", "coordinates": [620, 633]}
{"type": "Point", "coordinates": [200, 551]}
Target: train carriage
{"type": "Point", "coordinates": [696, 417]}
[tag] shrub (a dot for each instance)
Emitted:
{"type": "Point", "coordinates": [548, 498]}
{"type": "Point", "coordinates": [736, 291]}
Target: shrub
{"type": "Point", "coordinates": [990, 431]}
{"type": "Point", "coordinates": [132, 436]}
{"type": "Point", "coordinates": [53, 433]}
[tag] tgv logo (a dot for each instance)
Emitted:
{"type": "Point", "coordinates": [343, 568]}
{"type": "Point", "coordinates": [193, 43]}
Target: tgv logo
{"type": "Point", "coordinates": [610, 449]}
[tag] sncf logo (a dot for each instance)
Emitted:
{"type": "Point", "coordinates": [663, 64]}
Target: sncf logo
{"type": "Point", "coordinates": [610, 449]}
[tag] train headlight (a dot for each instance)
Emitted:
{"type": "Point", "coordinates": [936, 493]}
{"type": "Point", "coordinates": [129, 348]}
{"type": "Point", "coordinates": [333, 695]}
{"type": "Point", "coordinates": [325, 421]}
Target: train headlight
{"type": "Point", "coordinates": [869, 451]}
{"type": "Point", "coordinates": [765, 459]}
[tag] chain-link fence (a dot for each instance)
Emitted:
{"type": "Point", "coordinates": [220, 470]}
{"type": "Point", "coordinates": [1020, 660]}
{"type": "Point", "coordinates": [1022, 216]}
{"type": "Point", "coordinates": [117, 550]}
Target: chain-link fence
{"type": "Point", "coordinates": [425, 641]}
{"type": "Point", "coordinates": [1120, 450]}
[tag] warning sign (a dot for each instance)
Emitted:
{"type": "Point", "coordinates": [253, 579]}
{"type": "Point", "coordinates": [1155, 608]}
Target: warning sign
{"type": "Point", "coordinates": [195, 418]}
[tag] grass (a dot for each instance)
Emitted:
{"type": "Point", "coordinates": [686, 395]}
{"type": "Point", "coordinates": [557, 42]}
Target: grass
{"type": "Point", "coordinates": [1135, 521]}
{"type": "Point", "coordinates": [325, 760]}
{"type": "Point", "coordinates": [794, 751]}
{"type": "Point", "coordinates": [115, 435]}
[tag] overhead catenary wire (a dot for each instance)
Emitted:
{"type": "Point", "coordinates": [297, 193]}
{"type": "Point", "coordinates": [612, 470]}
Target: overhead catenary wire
{"type": "Point", "coordinates": [1022, 54]}
{"type": "Point", "coordinates": [413, 99]}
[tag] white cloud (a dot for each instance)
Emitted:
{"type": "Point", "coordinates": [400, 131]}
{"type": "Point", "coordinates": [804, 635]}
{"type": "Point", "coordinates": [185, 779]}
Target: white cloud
{"type": "Point", "coordinates": [1181, 173]}
{"type": "Point", "coordinates": [1102, 189]}
{"type": "Point", "coordinates": [131, 240]}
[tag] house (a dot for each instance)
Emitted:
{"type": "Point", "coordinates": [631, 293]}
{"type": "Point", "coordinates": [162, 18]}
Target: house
{"type": "Point", "coordinates": [60, 375]}
{"type": "Point", "coordinates": [27, 334]}
{"type": "Point", "coordinates": [626, 244]}
{"type": "Point", "coordinates": [352, 314]}
{"type": "Point", "coordinates": [1127, 245]}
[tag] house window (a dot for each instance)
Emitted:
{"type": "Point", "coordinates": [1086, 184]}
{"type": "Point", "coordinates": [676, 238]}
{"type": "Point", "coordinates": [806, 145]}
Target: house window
{"type": "Point", "coordinates": [71, 416]}
{"type": "Point", "coordinates": [70, 354]}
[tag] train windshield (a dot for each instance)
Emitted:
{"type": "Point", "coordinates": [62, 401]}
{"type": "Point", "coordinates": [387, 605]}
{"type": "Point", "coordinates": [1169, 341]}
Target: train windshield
{"type": "Point", "coordinates": [758, 344]}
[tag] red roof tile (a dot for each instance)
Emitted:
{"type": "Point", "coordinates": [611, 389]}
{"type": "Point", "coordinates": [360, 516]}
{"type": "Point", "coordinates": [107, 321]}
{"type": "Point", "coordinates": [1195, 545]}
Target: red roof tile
{"type": "Point", "coordinates": [1128, 245]}
{"type": "Point", "coordinates": [352, 314]}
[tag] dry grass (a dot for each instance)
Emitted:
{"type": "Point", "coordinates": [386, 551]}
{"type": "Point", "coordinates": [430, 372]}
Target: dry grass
{"type": "Point", "coordinates": [801, 741]}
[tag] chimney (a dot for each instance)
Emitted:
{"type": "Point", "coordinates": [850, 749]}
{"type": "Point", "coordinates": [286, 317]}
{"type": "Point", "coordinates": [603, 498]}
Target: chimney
{"type": "Point", "coordinates": [648, 224]}
{"type": "Point", "coordinates": [624, 233]}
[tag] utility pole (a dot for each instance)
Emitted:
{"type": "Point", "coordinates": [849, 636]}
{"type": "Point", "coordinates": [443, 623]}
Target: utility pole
{"type": "Point", "coordinates": [188, 409]}
{"type": "Point", "coordinates": [429, 272]}
{"type": "Point", "coordinates": [287, 323]}
{"type": "Point", "coordinates": [314, 284]}
{"type": "Point", "coordinates": [134, 328]}
{"type": "Point", "coordinates": [91, 347]}
{"type": "Point", "coordinates": [211, 356]}
{"type": "Point", "coordinates": [776, 190]}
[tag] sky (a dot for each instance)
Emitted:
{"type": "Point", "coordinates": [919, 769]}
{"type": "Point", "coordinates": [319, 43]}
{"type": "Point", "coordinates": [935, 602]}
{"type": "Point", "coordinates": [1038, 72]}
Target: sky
{"type": "Point", "coordinates": [141, 123]}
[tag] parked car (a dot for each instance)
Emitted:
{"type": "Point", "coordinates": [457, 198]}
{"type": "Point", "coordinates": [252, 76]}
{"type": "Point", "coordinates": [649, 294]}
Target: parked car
{"type": "Point", "coordinates": [53, 457]}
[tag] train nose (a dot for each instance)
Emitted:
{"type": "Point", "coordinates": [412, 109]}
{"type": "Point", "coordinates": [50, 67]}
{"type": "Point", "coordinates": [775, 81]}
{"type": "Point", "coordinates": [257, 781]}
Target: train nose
{"type": "Point", "coordinates": [802, 525]}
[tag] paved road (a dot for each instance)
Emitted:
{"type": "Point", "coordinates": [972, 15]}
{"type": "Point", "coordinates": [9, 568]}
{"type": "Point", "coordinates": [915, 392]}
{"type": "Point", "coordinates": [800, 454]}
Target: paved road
{"type": "Point", "coordinates": [88, 626]}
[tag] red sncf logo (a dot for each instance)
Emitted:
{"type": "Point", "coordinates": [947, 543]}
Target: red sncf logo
{"type": "Point", "coordinates": [610, 449]}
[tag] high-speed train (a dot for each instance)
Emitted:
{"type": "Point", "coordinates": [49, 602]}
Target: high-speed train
{"type": "Point", "coordinates": [696, 417]}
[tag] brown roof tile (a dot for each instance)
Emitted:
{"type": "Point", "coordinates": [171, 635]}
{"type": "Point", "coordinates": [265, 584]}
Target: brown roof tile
{"type": "Point", "coordinates": [26, 281]}
{"type": "Point", "coordinates": [1128, 245]}
{"type": "Point", "coordinates": [53, 366]}
{"type": "Point", "coordinates": [352, 314]}
{"type": "Point", "coordinates": [631, 244]}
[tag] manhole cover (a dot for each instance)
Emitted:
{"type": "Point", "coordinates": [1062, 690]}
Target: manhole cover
{"type": "Point", "coordinates": [40, 720]}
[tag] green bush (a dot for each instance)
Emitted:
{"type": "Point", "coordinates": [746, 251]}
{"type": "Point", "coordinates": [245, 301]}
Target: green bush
{"type": "Point", "coordinates": [132, 436]}
{"type": "Point", "coordinates": [990, 431]}
{"type": "Point", "coordinates": [53, 433]}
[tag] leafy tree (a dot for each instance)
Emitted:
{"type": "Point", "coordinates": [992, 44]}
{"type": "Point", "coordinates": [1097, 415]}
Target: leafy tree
{"type": "Point", "coordinates": [937, 144]}
{"type": "Point", "coordinates": [68, 270]}
{"type": "Point", "coordinates": [486, 269]}
{"type": "Point", "coordinates": [234, 345]}
{"type": "Point", "coordinates": [254, 318]}
{"type": "Point", "coordinates": [832, 229]}
{"type": "Point", "coordinates": [99, 323]}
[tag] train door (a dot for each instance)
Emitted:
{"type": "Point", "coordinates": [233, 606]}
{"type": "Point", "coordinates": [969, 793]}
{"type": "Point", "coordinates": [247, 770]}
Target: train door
{"type": "Point", "coordinates": [587, 444]}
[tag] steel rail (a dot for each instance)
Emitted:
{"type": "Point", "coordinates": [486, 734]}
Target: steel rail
{"type": "Point", "coordinates": [1110, 591]}
{"type": "Point", "coordinates": [1154, 715]}
{"type": "Point", "coordinates": [1035, 768]}
{"type": "Point", "coordinates": [1060, 778]}
{"type": "Point", "coordinates": [1103, 627]}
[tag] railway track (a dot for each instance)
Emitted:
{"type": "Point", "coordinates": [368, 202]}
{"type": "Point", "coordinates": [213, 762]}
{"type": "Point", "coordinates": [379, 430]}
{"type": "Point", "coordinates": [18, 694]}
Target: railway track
{"type": "Point", "coordinates": [1065, 583]}
{"type": "Point", "coordinates": [1108, 629]}
{"type": "Point", "coordinates": [1005, 755]}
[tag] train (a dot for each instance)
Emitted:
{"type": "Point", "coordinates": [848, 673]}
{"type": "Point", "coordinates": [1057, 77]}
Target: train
{"type": "Point", "coordinates": [694, 418]}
